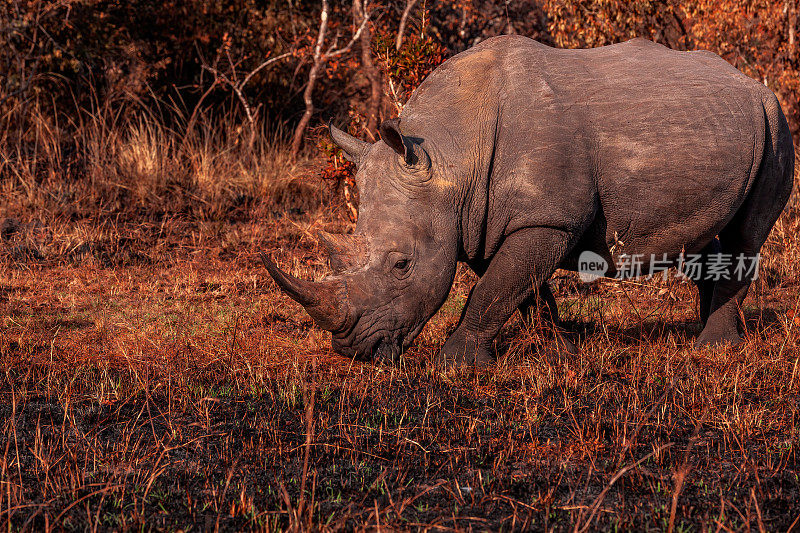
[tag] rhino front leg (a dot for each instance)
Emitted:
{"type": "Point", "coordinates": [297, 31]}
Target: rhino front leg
{"type": "Point", "coordinates": [539, 309]}
{"type": "Point", "coordinates": [540, 306]}
{"type": "Point", "coordinates": [524, 261]}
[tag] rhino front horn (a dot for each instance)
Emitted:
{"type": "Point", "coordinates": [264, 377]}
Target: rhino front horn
{"type": "Point", "coordinates": [324, 300]}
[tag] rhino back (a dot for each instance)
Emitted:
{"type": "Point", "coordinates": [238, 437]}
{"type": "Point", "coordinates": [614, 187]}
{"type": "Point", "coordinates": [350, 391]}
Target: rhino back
{"type": "Point", "coordinates": [661, 145]}
{"type": "Point", "coordinates": [678, 137]}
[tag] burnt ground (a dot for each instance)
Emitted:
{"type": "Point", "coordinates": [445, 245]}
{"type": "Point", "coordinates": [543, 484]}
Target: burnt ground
{"type": "Point", "coordinates": [172, 387]}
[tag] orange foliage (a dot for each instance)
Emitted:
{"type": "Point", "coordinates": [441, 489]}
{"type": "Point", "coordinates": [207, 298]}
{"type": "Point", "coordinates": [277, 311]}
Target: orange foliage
{"type": "Point", "coordinates": [755, 36]}
{"type": "Point", "coordinates": [406, 68]}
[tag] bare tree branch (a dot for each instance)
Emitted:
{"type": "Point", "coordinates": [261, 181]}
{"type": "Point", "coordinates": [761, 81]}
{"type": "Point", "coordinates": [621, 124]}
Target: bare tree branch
{"type": "Point", "coordinates": [264, 65]}
{"type": "Point", "coordinates": [236, 85]}
{"type": "Point", "coordinates": [297, 138]}
{"type": "Point", "coordinates": [401, 29]}
{"type": "Point", "coordinates": [356, 36]}
{"type": "Point", "coordinates": [319, 60]}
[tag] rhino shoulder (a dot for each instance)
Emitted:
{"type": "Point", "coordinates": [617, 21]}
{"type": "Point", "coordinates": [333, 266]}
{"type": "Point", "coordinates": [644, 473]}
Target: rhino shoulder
{"type": "Point", "coordinates": [474, 74]}
{"type": "Point", "coordinates": [493, 52]}
{"type": "Point", "coordinates": [641, 42]}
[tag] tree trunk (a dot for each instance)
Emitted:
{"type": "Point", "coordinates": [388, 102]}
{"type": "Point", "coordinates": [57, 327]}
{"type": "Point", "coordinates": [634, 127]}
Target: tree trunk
{"type": "Point", "coordinates": [401, 30]}
{"type": "Point", "coordinates": [320, 59]}
{"type": "Point", "coordinates": [300, 130]}
{"type": "Point", "coordinates": [308, 93]}
{"type": "Point", "coordinates": [371, 72]}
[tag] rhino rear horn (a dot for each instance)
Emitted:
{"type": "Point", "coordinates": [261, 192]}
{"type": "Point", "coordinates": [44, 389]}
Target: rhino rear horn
{"type": "Point", "coordinates": [325, 300]}
{"type": "Point", "coordinates": [352, 147]}
{"type": "Point", "coordinates": [344, 251]}
{"type": "Point", "coordinates": [412, 153]}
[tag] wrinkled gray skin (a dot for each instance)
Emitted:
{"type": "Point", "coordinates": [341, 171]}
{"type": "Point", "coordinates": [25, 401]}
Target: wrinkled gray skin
{"type": "Point", "coordinates": [515, 157]}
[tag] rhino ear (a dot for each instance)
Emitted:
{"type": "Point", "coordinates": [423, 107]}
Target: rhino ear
{"type": "Point", "coordinates": [352, 147]}
{"type": "Point", "coordinates": [390, 134]}
{"type": "Point", "coordinates": [412, 153]}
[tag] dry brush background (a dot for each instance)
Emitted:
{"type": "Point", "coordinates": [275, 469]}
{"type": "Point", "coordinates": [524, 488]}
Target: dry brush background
{"type": "Point", "coordinates": [154, 378]}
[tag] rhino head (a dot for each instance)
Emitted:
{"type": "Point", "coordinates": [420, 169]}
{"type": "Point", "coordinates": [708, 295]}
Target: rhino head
{"type": "Point", "coordinates": [395, 271]}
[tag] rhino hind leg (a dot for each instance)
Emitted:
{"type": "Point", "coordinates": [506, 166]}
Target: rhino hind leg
{"type": "Point", "coordinates": [705, 287]}
{"type": "Point", "coordinates": [748, 230]}
{"type": "Point", "coordinates": [540, 306]}
{"type": "Point", "coordinates": [722, 321]}
{"type": "Point", "coordinates": [541, 309]}
{"type": "Point", "coordinates": [525, 260]}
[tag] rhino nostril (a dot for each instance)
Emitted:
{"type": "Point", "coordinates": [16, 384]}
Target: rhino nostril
{"type": "Point", "coordinates": [342, 349]}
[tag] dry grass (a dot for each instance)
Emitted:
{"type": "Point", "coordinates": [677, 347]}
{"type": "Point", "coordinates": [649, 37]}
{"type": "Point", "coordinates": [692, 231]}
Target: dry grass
{"type": "Point", "coordinates": [155, 378]}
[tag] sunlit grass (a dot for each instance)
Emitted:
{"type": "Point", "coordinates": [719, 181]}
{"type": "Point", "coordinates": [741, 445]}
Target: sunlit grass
{"type": "Point", "coordinates": [154, 377]}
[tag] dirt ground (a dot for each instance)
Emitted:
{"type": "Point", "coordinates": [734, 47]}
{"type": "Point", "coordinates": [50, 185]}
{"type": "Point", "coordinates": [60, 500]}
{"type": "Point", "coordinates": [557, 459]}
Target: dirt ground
{"type": "Point", "coordinates": [167, 384]}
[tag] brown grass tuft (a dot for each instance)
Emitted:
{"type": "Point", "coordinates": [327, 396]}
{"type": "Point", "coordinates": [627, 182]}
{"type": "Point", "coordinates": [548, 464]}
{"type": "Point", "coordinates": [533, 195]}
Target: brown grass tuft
{"type": "Point", "coordinates": [153, 376]}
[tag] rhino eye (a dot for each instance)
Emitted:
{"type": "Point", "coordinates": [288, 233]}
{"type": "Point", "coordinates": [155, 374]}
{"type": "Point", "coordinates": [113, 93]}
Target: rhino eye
{"type": "Point", "coordinates": [401, 264]}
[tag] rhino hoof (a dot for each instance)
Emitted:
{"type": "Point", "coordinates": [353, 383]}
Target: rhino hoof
{"type": "Point", "coordinates": [458, 354]}
{"type": "Point", "coordinates": [711, 339]}
{"type": "Point", "coordinates": [565, 346]}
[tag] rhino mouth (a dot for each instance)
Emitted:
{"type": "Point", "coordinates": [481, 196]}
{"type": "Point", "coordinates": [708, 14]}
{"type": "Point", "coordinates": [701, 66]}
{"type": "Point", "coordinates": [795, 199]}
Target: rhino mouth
{"type": "Point", "coordinates": [381, 345]}
{"type": "Point", "coordinates": [375, 347]}
{"type": "Point", "coordinates": [378, 345]}
{"type": "Point", "coordinates": [368, 338]}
